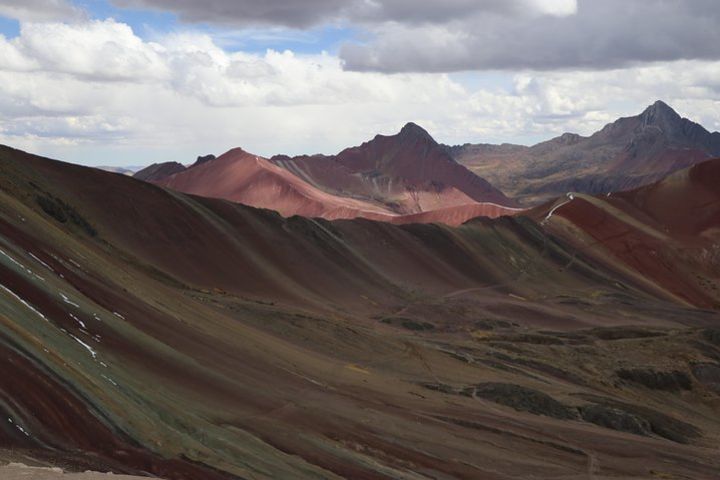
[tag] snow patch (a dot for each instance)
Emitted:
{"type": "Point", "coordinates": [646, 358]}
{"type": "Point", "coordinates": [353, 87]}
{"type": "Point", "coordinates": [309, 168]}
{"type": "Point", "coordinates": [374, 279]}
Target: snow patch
{"type": "Point", "coordinates": [6, 255]}
{"type": "Point", "coordinates": [17, 297]}
{"type": "Point", "coordinates": [18, 427]}
{"type": "Point", "coordinates": [23, 267]}
{"type": "Point", "coordinates": [68, 301]}
{"type": "Point", "coordinates": [82, 324]}
{"type": "Point", "coordinates": [22, 430]}
{"type": "Point", "coordinates": [93, 354]}
{"type": "Point", "coordinates": [41, 262]}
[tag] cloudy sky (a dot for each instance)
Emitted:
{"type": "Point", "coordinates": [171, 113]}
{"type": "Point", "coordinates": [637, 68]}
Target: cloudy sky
{"type": "Point", "coordinates": [130, 82]}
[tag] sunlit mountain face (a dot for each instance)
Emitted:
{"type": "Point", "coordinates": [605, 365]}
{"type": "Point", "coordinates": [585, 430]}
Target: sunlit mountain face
{"type": "Point", "coordinates": [359, 240]}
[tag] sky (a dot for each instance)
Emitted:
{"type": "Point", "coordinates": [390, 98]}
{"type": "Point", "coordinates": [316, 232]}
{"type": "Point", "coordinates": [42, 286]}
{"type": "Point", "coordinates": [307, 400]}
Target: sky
{"type": "Point", "coordinates": [133, 82]}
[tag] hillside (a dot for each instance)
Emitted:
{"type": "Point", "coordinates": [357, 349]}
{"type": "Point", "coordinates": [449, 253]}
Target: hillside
{"type": "Point", "coordinates": [251, 180]}
{"type": "Point", "coordinates": [151, 332]}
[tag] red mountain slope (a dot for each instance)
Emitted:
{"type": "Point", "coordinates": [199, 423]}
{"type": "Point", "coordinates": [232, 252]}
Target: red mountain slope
{"type": "Point", "coordinates": [666, 233]}
{"type": "Point", "coordinates": [245, 178]}
{"type": "Point", "coordinates": [252, 180]}
{"type": "Point", "coordinates": [408, 172]}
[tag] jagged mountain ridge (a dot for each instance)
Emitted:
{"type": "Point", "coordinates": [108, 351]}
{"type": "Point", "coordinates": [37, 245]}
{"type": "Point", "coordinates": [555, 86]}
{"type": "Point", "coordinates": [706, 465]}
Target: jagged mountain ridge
{"type": "Point", "coordinates": [401, 178]}
{"type": "Point", "coordinates": [630, 152]}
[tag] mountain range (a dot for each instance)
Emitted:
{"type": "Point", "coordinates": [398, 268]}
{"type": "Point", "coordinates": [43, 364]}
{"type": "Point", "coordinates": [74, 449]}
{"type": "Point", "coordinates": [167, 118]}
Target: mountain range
{"type": "Point", "coordinates": [409, 177]}
{"type": "Point", "coordinates": [625, 154]}
{"type": "Point", "coordinates": [403, 178]}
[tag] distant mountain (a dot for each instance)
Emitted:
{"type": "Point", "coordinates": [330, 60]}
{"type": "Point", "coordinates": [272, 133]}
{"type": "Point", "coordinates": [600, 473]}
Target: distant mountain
{"type": "Point", "coordinates": [408, 173]}
{"type": "Point", "coordinates": [159, 171]}
{"type": "Point", "coordinates": [246, 178]}
{"type": "Point", "coordinates": [252, 180]}
{"type": "Point", "coordinates": [399, 179]}
{"type": "Point", "coordinates": [130, 171]}
{"type": "Point", "coordinates": [627, 153]}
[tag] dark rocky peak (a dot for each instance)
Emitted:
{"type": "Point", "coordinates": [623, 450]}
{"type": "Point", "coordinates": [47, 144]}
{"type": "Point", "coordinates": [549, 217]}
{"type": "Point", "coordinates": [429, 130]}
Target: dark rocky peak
{"type": "Point", "coordinates": [414, 131]}
{"type": "Point", "coordinates": [660, 114]}
{"type": "Point", "coordinates": [281, 157]}
{"type": "Point", "coordinates": [204, 159]}
{"type": "Point", "coordinates": [569, 139]}
{"type": "Point", "coordinates": [158, 171]}
{"type": "Point", "coordinates": [677, 130]}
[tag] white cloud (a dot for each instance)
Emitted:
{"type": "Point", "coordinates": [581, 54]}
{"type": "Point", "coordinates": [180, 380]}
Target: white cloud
{"type": "Point", "coordinates": [103, 50]}
{"type": "Point", "coordinates": [95, 92]}
{"type": "Point", "coordinates": [558, 8]}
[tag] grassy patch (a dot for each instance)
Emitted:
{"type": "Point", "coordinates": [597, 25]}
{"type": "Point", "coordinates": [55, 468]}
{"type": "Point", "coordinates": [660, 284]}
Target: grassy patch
{"type": "Point", "coordinates": [64, 213]}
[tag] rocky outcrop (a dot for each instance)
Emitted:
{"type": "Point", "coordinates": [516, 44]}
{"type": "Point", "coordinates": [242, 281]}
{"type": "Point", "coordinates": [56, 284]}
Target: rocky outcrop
{"type": "Point", "coordinates": [204, 159]}
{"type": "Point", "coordinates": [708, 375]}
{"type": "Point", "coordinates": [522, 399]}
{"type": "Point", "coordinates": [639, 420]}
{"type": "Point", "coordinates": [615, 419]}
{"type": "Point", "coordinates": [673, 381]}
{"type": "Point", "coordinates": [159, 171]}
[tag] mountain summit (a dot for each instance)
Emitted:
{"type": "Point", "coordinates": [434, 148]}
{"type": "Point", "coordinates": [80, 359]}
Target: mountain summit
{"type": "Point", "coordinates": [415, 131]}
{"type": "Point", "coordinates": [408, 172]}
{"type": "Point", "coordinates": [660, 112]}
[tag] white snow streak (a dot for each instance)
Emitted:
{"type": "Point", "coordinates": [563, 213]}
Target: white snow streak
{"type": "Point", "coordinates": [24, 302]}
{"type": "Point", "coordinates": [87, 347]}
{"type": "Point", "coordinates": [68, 301]}
{"type": "Point", "coordinates": [82, 324]}
{"type": "Point", "coordinates": [41, 262]}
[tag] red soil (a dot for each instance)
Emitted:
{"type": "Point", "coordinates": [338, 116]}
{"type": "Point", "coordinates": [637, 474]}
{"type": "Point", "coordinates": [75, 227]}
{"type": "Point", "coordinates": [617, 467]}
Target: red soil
{"type": "Point", "coordinates": [245, 178]}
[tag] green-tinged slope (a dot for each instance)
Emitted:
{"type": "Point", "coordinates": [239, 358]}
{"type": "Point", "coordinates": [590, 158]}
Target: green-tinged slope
{"type": "Point", "coordinates": [148, 332]}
